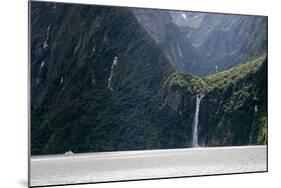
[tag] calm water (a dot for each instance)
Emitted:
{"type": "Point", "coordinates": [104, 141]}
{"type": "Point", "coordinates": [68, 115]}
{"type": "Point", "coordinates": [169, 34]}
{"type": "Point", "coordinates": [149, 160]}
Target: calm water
{"type": "Point", "coordinates": [112, 166]}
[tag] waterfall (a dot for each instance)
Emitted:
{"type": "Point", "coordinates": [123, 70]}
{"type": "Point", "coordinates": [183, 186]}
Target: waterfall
{"type": "Point", "coordinates": [195, 125]}
{"type": "Point", "coordinates": [45, 45]}
{"type": "Point", "coordinates": [109, 85]}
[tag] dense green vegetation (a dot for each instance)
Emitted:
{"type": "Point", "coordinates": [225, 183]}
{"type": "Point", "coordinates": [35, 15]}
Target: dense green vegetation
{"type": "Point", "coordinates": [185, 83]}
{"type": "Point", "coordinates": [232, 112]}
{"type": "Point", "coordinates": [237, 103]}
{"type": "Point", "coordinates": [72, 106]}
{"type": "Point", "coordinates": [99, 82]}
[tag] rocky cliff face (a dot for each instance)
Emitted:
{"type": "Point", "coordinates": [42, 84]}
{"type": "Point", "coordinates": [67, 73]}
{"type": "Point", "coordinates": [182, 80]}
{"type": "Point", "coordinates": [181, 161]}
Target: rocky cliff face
{"type": "Point", "coordinates": [154, 21]}
{"type": "Point", "coordinates": [206, 43]}
{"type": "Point", "coordinates": [159, 24]}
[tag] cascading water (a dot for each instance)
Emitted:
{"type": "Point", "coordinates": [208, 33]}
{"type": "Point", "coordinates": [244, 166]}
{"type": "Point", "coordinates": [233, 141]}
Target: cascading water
{"type": "Point", "coordinates": [195, 125]}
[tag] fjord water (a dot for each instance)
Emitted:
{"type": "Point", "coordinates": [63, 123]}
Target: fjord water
{"type": "Point", "coordinates": [129, 165]}
{"type": "Point", "coordinates": [196, 116]}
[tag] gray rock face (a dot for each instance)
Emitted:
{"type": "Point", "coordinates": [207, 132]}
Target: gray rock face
{"type": "Point", "coordinates": [161, 27]}
{"type": "Point", "coordinates": [187, 19]}
{"type": "Point", "coordinates": [205, 43]}
{"type": "Point", "coordinates": [154, 21]}
{"type": "Point", "coordinates": [227, 35]}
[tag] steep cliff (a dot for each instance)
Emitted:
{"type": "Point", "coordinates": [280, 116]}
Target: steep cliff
{"type": "Point", "coordinates": [183, 56]}
{"type": "Point", "coordinates": [94, 71]}
{"type": "Point", "coordinates": [233, 110]}
{"type": "Point", "coordinates": [205, 43]}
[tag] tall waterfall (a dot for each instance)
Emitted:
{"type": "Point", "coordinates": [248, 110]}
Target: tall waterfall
{"type": "Point", "coordinates": [195, 125]}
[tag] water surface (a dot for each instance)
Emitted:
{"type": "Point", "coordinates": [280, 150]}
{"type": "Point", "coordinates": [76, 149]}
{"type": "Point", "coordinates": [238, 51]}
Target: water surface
{"type": "Point", "coordinates": [129, 165]}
